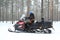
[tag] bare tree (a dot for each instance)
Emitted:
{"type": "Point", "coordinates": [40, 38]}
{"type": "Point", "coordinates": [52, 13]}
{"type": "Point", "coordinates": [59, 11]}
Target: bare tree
{"type": "Point", "coordinates": [28, 6]}
{"type": "Point", "coordinates": [51, 9]}
{"type": "Point", "coordinates": [42, 9]}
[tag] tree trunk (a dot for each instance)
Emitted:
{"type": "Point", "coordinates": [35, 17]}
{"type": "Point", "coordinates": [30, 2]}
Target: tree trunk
{"type": "Point", "coordinates": [28, 7]}
{"type": "Point", "coordinates": [42, 9]}
{"type": "Point", "coordinates": [51, 10]}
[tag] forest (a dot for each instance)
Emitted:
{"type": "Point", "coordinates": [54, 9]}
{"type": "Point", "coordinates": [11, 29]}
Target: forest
{"type": "Point", "coordinates": [11, 10]}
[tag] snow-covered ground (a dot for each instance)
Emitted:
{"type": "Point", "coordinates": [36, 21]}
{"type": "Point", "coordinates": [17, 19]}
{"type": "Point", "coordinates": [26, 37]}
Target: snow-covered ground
{"type": "Point", "coordinates": [5, 35]}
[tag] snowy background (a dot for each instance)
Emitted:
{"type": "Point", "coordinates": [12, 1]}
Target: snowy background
{"type": "Point", "coordinates": [5, 35]}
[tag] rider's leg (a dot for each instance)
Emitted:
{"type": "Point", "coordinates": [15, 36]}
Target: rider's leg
{"type": "Point", "coordinates": [16, 26]}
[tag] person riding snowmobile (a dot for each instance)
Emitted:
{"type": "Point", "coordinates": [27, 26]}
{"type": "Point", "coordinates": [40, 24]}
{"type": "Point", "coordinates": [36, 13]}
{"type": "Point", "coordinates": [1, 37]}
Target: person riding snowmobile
{"type": "Point", "coordinates": [25, 20]}
{"type": "Point", "coordinates": [30, 20]}
{"type": "Point", "coordinates": [20, 22]}
{"type": "Point", "coordinates": [32, 17]}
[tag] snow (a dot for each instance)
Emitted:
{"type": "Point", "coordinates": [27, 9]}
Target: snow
{"type": "Point", "coordinates": [5, 35]}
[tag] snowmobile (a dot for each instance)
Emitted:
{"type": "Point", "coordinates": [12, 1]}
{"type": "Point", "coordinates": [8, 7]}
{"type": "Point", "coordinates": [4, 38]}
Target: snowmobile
{"type": "Point", "coordinates": [26, 26]}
